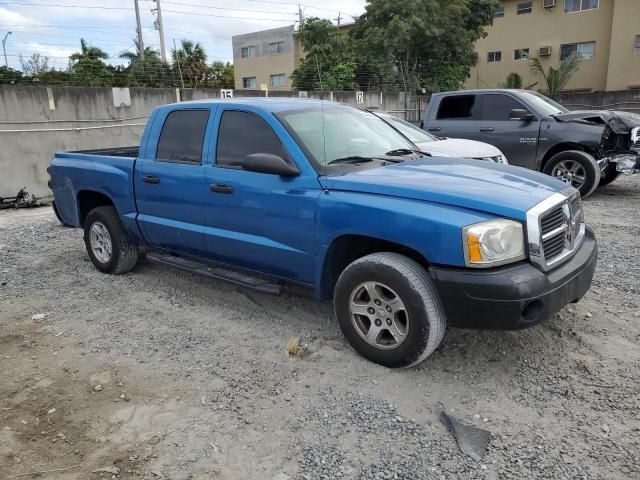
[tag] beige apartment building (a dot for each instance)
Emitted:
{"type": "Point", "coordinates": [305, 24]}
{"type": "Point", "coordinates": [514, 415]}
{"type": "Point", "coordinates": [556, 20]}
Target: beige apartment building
{"type": "Point", "coordinates": [605, 33]}
{"type": "Point", "coordinates": [265, 60]}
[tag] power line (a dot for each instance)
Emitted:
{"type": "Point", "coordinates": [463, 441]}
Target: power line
{"type": "Point", "coordinates": [171, 11]}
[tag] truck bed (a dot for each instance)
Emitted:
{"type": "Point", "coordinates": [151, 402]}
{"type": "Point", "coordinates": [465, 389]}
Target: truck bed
{"type": "Point", "coordinates": [127, 152]}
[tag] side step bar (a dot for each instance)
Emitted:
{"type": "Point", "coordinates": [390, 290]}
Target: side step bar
{"type": "Point", "coordinates": [218, 273]}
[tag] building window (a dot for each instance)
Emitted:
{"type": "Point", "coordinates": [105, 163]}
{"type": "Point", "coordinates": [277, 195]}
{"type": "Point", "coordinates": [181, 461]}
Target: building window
{"type": "Point", "coordinates": [276, 48]}
{"type": "Point", "coordinates": [524, 8]}
{"type": "Point", "coordinates": [521, 54]}
{"type": "Point", "coordinates": [494, 57]}
{"type": "Point", "coordinates": [278, 80]}
{"type": "Point", "coordinates": [579, 5]}
{"type": "Point", "coordinates": [499, 13]}
{"type": "Point", "coordinates": [584, 50]}
{"type": "Point", "coordinates": [249, 82]}
{"type": "Point", "coordinates": [637, 43]}
{"type": "Point", "coordinates": [247, 52]}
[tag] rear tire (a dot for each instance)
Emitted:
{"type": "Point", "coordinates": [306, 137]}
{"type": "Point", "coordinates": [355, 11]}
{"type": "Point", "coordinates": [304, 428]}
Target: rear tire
{"type": "Point", "coordinates": [107, 243]}
{"type": "Point", "coordinates": [400, 319]}
{"type": "Point", "coordinates": [576, 168]}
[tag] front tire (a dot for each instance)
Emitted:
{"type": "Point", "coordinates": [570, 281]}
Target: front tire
{"type": "Point", "coordinates": [389, 310]}
{"type": "Point", "coordinates": [576, 168]}
{"type": "Point", "coordinates": [107, 243]}
{"type": "Point", "coordinates": [609, 175]}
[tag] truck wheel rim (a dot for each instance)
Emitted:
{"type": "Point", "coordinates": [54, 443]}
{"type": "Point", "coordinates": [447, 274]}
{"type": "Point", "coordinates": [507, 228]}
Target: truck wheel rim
{"type": "Point", "coordinates": [379, 316]}
{"type": "Point", "coordinates": [100, 242]}
{"type": "Point", "coordinates": [571, 172]}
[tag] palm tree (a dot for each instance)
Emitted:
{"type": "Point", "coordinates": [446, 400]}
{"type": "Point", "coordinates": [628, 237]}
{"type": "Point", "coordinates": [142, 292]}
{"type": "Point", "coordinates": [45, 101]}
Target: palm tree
{"type": "Point", "coordinates": [88, 52]}
{"type": "Point", "coordinates": [192, 60]}
{"type": "Point", "coordinates": [87, 67]}
{"type": "Point", "coordinates": [556, 78]}
{"type": "Point", "coordinates": [134, 56]}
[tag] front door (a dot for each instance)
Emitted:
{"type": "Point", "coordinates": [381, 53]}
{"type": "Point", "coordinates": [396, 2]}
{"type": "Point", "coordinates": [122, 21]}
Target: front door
{"type": "Point", "coordinates": [260, 221]}
{"type": "Point", "coordinates": [517, 139]}
{"type": "Point", "coordinates": [169, 182]}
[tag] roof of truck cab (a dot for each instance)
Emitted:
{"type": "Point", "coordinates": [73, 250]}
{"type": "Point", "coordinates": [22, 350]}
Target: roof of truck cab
{"type": "Point", "coordinates": [272, 105]}
{"type": "Point", "coordinates": [484, 90]}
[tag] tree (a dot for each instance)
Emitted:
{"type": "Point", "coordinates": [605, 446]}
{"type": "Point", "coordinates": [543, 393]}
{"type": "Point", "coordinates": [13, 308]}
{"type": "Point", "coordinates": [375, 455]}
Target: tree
{"type": "Point", "coordinates": [191, 60]}
{"type": "Point", "coordinates": [9, 76]}
{"type": "Point", "coordinates": [329, 58]}
{"type": "Point", "coordinates": [87, 67]}
{"type": "Point", "coordinates": [421, 43]}
{"type": "Point", "coordinates": [34, 65]}
{"type": "Point", "coordinates": [150, 71]}
{"type": "Point", "coordinates": [556, 79]}
{"type": "Point", "coordinates": [513, 81]}
{"type": "Point", "coordinates": [134, 56]}
{"type": "Point", "coordinates": [220, 75]}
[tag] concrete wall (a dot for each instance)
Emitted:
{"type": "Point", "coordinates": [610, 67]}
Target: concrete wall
{"type": "Point", "coordinates": [35, 122]}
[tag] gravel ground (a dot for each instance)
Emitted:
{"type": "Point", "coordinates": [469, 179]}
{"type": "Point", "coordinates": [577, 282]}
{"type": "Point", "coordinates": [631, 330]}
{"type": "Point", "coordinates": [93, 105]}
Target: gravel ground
{"type": "Point", "coordinates": [156, 374]}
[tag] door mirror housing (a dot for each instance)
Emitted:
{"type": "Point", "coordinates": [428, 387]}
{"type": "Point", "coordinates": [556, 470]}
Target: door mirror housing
{"type": "Point", "coordinates": [268, 163]}
{"type": "Point", "coordinates": [521, 114]}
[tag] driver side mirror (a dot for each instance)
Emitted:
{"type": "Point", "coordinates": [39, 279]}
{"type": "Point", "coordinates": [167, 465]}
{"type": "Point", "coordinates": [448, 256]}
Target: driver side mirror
{"type": "Point", "coordinates": [268, 163]}
{"type": "Point", "coordinates": [521, 114]}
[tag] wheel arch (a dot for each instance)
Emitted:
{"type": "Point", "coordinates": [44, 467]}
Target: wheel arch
{"type": "Point", "coordinates": [563, 147]}
{"type": "Point", "coordinates": [347, 248]}
{"type": "Point", "coordinates": [90, 199]}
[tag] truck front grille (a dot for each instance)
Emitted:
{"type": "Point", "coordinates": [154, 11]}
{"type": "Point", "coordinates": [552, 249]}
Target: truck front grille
{"type": "Point", "coordinates": [555, 229]}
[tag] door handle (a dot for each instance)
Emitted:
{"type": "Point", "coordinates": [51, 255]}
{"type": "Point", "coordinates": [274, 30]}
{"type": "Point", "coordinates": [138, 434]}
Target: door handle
{"type": "Point", "coordinates": [151, 179]}
{"type": "Point", "coordinates": [486, 129]}
{"type": "Point", "coordinates": [221, 188]}
{"type": "Point", "coordinates": [435, 129]}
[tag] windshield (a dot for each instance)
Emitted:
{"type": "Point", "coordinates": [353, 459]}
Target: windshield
{"type": "Point", "coordinates": [542, 104]}
{"type": "Point", "coordinates": [348, 132]}
{"type": "Point", "coordinates": [413, 133]}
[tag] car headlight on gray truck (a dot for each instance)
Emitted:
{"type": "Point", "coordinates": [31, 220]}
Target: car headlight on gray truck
{"type": "Point", "coordinates": [493, 243]}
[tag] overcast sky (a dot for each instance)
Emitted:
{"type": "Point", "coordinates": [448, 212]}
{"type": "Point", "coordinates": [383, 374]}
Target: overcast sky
{"type": "Point", "coordinates": [53, 27]}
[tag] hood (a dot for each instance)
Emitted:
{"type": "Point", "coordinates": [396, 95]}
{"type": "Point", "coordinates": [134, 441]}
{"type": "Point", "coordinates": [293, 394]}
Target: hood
{"type": "Point", "coordinates": [620, 122]}
{"type": "Point", "coordinates": [501, 190]}
{"type": "Point", "coordinates": [457, 147]}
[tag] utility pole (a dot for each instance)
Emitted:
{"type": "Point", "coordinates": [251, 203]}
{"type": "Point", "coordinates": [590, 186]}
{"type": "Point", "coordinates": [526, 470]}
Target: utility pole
{"type": "Point", "coordinates": [339, 18]}
{"type": "Point", "coordinates": [4, 49]}
{"type": "Point", "coordinates": [139, 31]}
{"type": "Point", "coordinates": [178, 62]}
{"type": "Point", "coordinates": [163, 52]}
{"type": "Point", "coordinates": [300, 15]}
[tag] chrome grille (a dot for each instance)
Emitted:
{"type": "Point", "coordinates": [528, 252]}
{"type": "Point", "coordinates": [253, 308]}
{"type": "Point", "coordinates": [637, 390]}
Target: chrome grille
{"type": "Point", "coordinates": [555, 228]}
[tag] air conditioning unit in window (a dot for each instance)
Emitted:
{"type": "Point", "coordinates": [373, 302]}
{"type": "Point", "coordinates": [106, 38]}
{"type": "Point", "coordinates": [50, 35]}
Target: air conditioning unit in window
{"type": "Point", "coordinates": [548, 3]}
{"type": "Point", "coordinates": [544, 51]}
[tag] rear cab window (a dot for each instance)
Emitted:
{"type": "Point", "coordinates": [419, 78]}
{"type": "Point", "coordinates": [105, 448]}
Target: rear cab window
{"type": "Point", "coordinates": [244, 133]}
{"type": "Point", "coordinates": [459, 107]}
{"type": "Point", "coordinates": [182, 137]}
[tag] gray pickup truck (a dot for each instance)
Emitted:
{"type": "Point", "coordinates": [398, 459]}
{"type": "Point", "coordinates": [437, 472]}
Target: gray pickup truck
{"type": "Point", "coordinates": [583, 148]}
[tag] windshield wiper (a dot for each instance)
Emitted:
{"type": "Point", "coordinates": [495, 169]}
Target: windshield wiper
{"type": "Point", "coordinates": [406, 151]}
{"type": "Point", "coordinates": [351, 159]}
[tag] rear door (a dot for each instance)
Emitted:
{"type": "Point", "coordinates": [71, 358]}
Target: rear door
{"type": "Point", "coordinates": [169, 184]}
{"type": "Point", "coordinates": [260, 221]}
{"type": "Point", "coordinates": [457, 116]}
{"type": "Point", "coordinates": [517, 139]}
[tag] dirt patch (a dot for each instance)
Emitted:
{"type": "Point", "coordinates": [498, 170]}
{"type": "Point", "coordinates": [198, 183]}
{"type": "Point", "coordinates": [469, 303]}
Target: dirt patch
{"type": "Point", "coordinates": [209, 392]}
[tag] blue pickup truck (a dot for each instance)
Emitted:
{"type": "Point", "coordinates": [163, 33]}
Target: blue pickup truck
{"type": "Point", "coordinates": [262, 192]}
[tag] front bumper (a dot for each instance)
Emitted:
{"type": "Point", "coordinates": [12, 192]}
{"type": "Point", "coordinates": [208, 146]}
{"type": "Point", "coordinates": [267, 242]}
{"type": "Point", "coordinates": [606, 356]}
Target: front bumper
{"type": "Point", "coordinates": [516, 296]}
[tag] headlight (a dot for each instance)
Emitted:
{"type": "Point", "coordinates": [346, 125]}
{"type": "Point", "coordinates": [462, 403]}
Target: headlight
{"type": "Point", "coordinates": [493, 243]}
